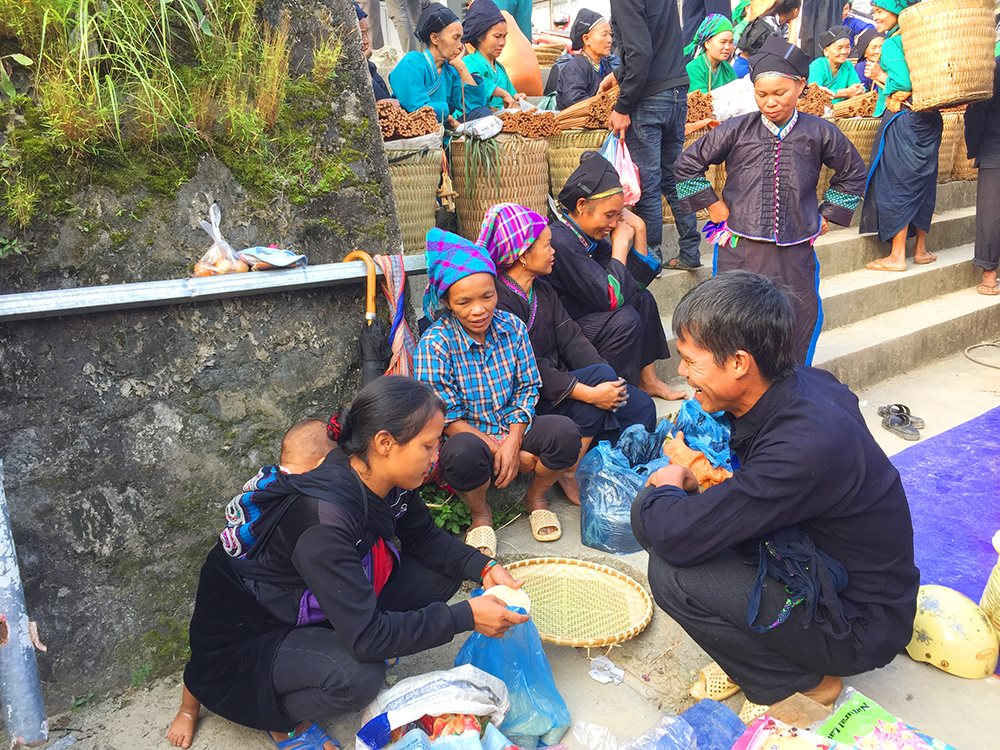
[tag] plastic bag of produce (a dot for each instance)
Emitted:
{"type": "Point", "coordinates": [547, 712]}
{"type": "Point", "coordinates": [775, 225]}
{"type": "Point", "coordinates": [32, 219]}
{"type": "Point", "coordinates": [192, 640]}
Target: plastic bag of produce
{"type": "Point", "coordinates": [219, 258]}
{"type": "Point", "coordinates": [708, 433]}
{"type": "Point", "coordinates": [608, 485]}
{"type": "Point", "coordinates": [538, 715]}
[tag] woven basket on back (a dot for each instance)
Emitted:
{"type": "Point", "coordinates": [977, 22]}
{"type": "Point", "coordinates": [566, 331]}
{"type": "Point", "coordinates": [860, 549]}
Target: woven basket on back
{"type": "Point", "coordinates": [582, 604]}
{"type": "Point", "coordinates": [949, 49]}
{"type": "Point", "coordinates": [415, 176]}
{"type": "Point", "coordinates": [963, 168]}
{"type": "Point", "coordinates": [521, 176]}
{"type": "Point", "coordinates": [565, 150]}
{"type": "Point", "coordinates": [952, 133]}
{"type": "Point", "coordinates": [990, 603]}
{"type": "Point", "coordinates": [716, 174]}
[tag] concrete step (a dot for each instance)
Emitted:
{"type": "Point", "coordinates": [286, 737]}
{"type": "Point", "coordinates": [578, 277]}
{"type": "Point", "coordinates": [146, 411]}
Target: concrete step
{"type": "Point", "coordinates": [884, 345]}
{"type": "Point", "coordinates": [839, 251]}
{"type": "Point", "coordinates": [856, 295]}
{"type": "Point", "coordinates": [852, 299]}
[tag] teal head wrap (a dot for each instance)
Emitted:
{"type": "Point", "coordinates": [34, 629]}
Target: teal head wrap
{"type": "Point", "coordinates": [712, 25]}
{"type": "Point", "coordinates": [894, 6]}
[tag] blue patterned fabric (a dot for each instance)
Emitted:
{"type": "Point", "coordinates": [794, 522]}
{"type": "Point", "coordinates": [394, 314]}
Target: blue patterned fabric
{"type": "Point", "coordinates": [261, 493]}
{"type": "Point", "coordinates": [450, 258]}
{"type": "Point", "coordinates": [490, 385]}
{"type": "Point", "coordinates": [844, 200]}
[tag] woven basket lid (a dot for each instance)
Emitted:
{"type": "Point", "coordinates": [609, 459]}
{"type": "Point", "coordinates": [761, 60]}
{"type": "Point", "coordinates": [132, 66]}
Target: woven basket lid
{"type": "Point", "coordinates": [583, 604]}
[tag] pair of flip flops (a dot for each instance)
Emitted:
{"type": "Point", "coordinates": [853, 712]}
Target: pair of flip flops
{"type": "Point", "coordinates": [314, 738]}
{"type": "Point", "coordinates": [713, 683]}
{"type": "Point", "coordinates": [900, 421]}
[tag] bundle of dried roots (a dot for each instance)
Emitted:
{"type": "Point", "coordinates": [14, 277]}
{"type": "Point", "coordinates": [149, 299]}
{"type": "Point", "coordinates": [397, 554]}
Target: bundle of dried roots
{"type": "Point", "coordinates": [589, 114]}
{"type": "Point", "coordinates": [395, 122]}
{"type": "Point", "coordinates": [530, 124]}
{"type": "Point", "coordinates": [862, 105]}
{"type": "Point", "coordinates": [815, 100]}
{"type": "Point", "coordinates": [700, 107]}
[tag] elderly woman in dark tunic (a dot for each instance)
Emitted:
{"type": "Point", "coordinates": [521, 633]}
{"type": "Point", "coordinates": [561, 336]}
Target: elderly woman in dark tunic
{"type": "Point", "coordinates": [379, 87]}
{"type": "Point", "coordinates": [576, 381]}
{"type": "Point", "coordinates": [867, 49]}
{"type": "Point", "coordinates": [768, 217]}
{"type": "Point", "coordinates": [811, 484]}
{"type": "Point", "coordinates": [902, 184]}
{"type": "Point", "coordinates": [982, 139]}
{"type": "Point", "coordinates": [299, 626]}
{"type": "Point", "coordinates": [581, 75]}
{"type": "Point", "coordinates": [593, 236]}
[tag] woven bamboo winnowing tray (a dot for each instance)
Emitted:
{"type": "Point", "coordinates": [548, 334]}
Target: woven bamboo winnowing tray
{"type": "Point", "coordinates": [582, 604]}
{"type": "Point", "coordinates": [948, 46]}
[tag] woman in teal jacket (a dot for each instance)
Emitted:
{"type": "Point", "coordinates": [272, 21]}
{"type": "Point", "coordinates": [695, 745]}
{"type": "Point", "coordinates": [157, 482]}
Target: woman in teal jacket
{"type": "Point", "coordinates": [832, 71]}
{"type": "Point", "coordinates": [437, 77]}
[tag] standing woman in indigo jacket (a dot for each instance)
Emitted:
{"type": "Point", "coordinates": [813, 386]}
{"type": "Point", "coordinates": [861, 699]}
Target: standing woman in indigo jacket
{"type": "Point", "coordinates": [298, 629]}
{"type": "Point", "coordinates": [437, 77]}
{"type": "Point", "coordinates": [982, 139]}
{"type": "Point", "coordinates": [902, 182]}
{"type": "Point", "coordinates": [576, 381]}
{"type": "Point", "coordinates": [768, 217]}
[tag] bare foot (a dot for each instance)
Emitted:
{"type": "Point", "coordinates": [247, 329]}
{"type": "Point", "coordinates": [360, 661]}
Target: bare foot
{"type": "Point", "coordinates": [569, 485]}
{"type": "Point", "coordinates": [887, 263]}
{"type": "Point", "coordinates": [827, 691]}
{"type": "Point", "coordinates": [923, 258]}
{"type": "Point", "coordinates": [988, 284]}
{"type": "Point", "coordinates": [658, 389]}
{"type": "Point", "coordinates": [180, 733]}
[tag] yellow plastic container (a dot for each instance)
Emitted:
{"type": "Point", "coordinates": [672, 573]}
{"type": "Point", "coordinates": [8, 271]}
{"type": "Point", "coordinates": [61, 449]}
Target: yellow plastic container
{"type": "Point", "coordinates": [990, 603]}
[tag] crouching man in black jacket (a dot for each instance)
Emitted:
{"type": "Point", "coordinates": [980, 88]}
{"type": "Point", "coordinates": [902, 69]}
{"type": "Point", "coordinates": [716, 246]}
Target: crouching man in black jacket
{"type": "Point", "coordinates": [798, 569]}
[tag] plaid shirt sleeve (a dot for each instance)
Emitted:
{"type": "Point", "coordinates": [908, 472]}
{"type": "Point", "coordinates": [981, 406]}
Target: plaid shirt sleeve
{"type": "Point", "coordinates": [433, 366]}
{"type": "Point", "coordinates": [528, 381]}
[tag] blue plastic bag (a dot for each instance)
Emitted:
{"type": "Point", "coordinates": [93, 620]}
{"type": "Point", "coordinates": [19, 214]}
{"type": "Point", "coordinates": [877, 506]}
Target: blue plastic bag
{"type": "Point", "coordinates": [538, 715]}
{"type": "Point", "coordinates": [610, 478]}
{"type": "Point", "coordinates": [708, 433]}
{"type": "Point", "coordinates": [715, 725]}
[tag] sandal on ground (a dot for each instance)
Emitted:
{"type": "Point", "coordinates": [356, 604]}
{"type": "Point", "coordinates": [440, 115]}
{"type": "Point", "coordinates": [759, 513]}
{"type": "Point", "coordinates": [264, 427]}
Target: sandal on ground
{"type": "Point", "coordinates": [713, 683]}
{"type": "Point", "coordinates": [544, 519]}
{"type": "Point", "coordinates": [752, 711]}
{"type": "Point", "coordinates": [899, 425]}
{"type": "Point", "coordinates": [902, 409]}
{"type": "Point", "coordinates": [989, 291]}
{"type": "Point", "coordinates": [483, 538]}
{"type": "Point", "coordinates": [678, 264]}
{"type": "Point", "coordinates": [881, 265]}
{"type": "Point", "coordinates": [314, 738]}
{"type": "Point", "coordinates": [929, 258]}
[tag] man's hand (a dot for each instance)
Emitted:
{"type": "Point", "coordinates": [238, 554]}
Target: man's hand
{"type": "Point", "coordinates": [492, 617]}
{"type": "Point", "coordinates": [718, 212]}
{"type": "Point", "coordinates": [608, 82]}
{"type": "Point", "coordinates": [506, 461]}
{"type": "Point", "coordinates": [674, 476]}
{"type": "Point", "coordinates": [499, 576]}
{"type": "Point", "coordinates": [619, 123]}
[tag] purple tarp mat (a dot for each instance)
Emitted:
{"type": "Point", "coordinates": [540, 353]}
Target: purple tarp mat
{"type": "Point", "coordinates": [952, 481]}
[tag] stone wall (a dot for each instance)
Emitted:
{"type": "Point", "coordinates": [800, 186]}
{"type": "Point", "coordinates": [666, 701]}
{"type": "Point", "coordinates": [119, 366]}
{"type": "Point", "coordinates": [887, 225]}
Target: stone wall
{"type": "Point", "coordinates": [125, 433]}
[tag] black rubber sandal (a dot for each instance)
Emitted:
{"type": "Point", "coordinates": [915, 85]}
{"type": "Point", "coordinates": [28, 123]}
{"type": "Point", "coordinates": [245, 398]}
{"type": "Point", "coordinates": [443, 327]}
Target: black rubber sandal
{"type": "Point", "coordinates": [905, 411]}
{"type": "Point", "coordinates": [899, 424]}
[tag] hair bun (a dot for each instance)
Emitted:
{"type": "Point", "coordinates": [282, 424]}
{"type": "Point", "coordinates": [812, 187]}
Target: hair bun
{"type": "Point", "coordinates": [333, 428]}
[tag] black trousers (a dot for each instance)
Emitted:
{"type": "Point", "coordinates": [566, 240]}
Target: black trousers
{"type": "Point", "coordinates": [987, 255]}
{"type": "Point", "coordinates": [466, 461]}
{"type": "Point", "coordinates": [630, 337]}
{"type": "Point", "coordinates": [710, 602]}
{"type": "Point", "coordinates": [316, 675]}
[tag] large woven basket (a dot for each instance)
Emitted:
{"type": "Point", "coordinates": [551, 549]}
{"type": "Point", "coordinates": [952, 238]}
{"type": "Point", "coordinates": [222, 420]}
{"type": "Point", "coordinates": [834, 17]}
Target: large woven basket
{"type": "Point", "coordinates": [862, 132]}
{"type": "Point", "coordinates": [415, 176]}
{"type": "Point", "coordinates": [715, 174]}
{"type": "Point", "coordinates": [990, 603]}
{"type": "Point", "coordinates": [582, 604]}
{"type": "Point", "coordinates": [952, 133]}
{"type": "Point", "coordinates": [963, 168]}
{"type": "Point", "coordinates": [565, 150]}
{"type": "Point", "coordinates": [949, 49]}
{"type": "Point", "coordinates": [521, 177]}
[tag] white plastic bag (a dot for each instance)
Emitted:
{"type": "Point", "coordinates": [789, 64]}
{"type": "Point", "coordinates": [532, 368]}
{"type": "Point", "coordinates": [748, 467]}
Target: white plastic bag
{"type": "Point", "coordinates": [482, 128]}
{"type": "Point", "coordinates": [734, 99]}
{"type": "Point", "coordinates": [462, 690]}
{"type": "Point", "coordinates": [219, 258]}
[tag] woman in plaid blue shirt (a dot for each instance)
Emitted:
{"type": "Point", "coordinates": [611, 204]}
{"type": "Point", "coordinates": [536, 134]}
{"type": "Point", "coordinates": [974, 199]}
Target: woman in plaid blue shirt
{"type": "Point", "coordinates": [479, 361]}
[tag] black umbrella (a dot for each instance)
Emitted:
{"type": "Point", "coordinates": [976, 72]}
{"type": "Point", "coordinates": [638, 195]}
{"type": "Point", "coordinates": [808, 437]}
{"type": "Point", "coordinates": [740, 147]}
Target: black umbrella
{"type": "Point", "coordinates": [373, 340]}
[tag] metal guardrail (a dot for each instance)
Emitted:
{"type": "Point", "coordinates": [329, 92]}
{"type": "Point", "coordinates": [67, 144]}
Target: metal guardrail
{"type": "Point", "coordinates": [92, 299]}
